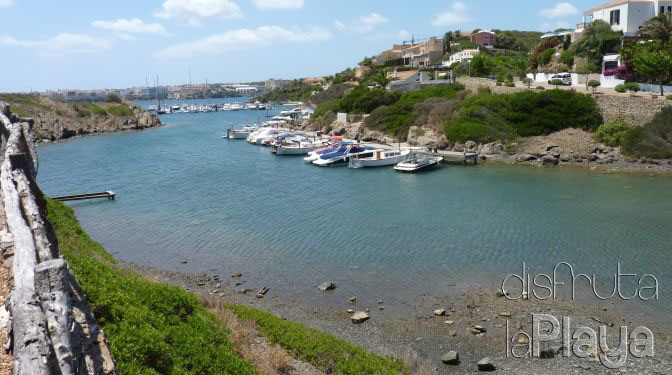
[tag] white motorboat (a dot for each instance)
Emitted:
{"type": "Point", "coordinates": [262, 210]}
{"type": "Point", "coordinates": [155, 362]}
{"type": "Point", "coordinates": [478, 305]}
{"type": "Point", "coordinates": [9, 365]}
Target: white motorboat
{"type": "Point", "coordinates": [298, 148]}
{"type": "Point", "coordinates": [343, 155]}
{"type": "Point", "coordinates": [264, 135]}
{"type": "Point", "coordinates": [241, 133]}
{"type": "Point", "coordinates": [418, 161]}
{"type": "Point", "coordinates": [383, 157]}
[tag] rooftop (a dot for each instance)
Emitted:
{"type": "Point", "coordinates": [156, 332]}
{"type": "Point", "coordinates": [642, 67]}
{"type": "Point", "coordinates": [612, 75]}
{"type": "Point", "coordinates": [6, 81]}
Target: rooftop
{"type": "Point", "coordinates": [613, 4]}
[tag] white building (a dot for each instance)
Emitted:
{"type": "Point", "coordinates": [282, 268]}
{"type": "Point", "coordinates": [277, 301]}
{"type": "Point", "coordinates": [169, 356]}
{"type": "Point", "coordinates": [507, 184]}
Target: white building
{"type": "Point", "coordinates": [246, 90]}
{"type": "Point", "coordinates": [626, 15]}
{"type": "Point", "coordinates": [463, 56]}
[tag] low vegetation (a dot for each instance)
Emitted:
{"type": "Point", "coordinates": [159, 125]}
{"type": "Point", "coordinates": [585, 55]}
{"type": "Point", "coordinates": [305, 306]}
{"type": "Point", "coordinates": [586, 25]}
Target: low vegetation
{"type": "Point", "coordinates": [653, 140]}
{"type": "Point", "coordinates": [325, 352]}
{"type": "Point", "coordinates": [295, 91]}
{"type": "Point", "coordinates": [612, 133]}
{"type": "Point", "coordinates": [151, 328]}
{"type": "Point", "coordinates": [397, 118]}
{"type": "Point", "coordinates": [23, 104]}
{"type": "Point", "coordinates": [120, 110]}
{"type": "Point", "coordinates": [488, 117]}
{"type": "Point", "coordinates": [155, 328]}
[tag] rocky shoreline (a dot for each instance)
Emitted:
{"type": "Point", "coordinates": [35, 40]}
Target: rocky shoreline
{"type": "Point", "coordinates": [54, 121]}
{"type": "Point", "coordinates": [447, 334]}
{"type": "Point", "coordinates": [568, 147]}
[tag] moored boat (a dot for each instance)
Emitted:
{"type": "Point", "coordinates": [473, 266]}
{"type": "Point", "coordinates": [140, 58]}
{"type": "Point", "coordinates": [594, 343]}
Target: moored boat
{"type": "Point", "coordinates": [418, 161]}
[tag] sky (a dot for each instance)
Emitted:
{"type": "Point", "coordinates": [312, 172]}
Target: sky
{"type": "Point", "coordinates": [85, 44]}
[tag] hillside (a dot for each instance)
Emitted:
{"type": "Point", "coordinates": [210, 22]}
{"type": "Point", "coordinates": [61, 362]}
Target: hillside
{"type": "Point", "coordinates": [55, 120]}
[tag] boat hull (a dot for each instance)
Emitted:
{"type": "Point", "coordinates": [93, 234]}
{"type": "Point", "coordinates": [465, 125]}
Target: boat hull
{"type": "Point", "coordinates": [293, 150]}
{"type": "Point", "coordinates": [413, 168]}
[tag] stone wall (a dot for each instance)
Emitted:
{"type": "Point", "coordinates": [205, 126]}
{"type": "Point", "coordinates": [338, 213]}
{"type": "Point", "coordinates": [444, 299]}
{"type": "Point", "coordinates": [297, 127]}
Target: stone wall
{"type": "Point", "coordinates": [636, 110]}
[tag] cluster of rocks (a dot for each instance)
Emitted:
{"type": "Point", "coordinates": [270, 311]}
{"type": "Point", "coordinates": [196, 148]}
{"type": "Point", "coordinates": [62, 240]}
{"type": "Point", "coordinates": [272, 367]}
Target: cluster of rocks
{"type": "Point", "coordinates": [358, 131]}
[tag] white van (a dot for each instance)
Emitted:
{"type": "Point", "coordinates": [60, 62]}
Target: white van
{"type": "Point", "coordinates": [566, 78]}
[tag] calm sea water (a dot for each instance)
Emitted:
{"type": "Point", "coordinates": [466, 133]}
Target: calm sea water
{"type": "Point", "coordinates": [184, 193]}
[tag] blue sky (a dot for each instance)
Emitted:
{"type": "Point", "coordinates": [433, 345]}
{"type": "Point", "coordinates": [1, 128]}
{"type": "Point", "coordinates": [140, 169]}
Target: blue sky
{"type": "Point", "coordinates": [115, 44]}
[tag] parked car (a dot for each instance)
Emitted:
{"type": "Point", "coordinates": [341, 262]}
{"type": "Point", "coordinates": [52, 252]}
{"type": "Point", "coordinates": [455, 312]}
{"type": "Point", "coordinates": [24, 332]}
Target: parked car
{"type": "Point", "coordinates": [566, 78]}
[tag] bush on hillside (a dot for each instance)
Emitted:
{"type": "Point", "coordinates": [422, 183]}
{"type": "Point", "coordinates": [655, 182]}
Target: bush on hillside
{"type": "Point", "coordinates": [332, 93]}
{"type": "Point", "coordinates": [526, 113]}
{"type": "Point", "coordinates": [546, 56]}
{"type": "Point", "coordinates": [612, 133]}
{"type": "Point", "coordinates": [364, 100]}
{"type": "Point", "coordinates": [113, 98]}
{"type": "Point", "coordinates": [567, 57]}
{"type": "Point", "coordinates": [653, 140]}
{"type": "Point", "coordinates": [396, 119]}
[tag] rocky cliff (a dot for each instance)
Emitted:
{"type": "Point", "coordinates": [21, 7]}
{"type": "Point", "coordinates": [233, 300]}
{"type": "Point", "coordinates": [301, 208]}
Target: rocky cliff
{"type": "Point", "coordinates": [55, 120]}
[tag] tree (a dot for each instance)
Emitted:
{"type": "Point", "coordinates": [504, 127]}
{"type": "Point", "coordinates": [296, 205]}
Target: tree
{"type": "Point", "coordinates": [481, 66]}
{"type": "Point", "coordinates": [448, 39]}
{"type": "Point", "coordinates": [527, 81]}
{"type": "Point", "coordinates": [594, 84]}
{"type": "Point", "coordinates": [598, 39]}
{"type": "Point", "coordinates": [653, 62]}
{"type": "Point", "coordinates": [658, 28]}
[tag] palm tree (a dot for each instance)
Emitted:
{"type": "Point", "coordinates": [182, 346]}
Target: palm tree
{"type": "Point", "coordinates": [658, 28]}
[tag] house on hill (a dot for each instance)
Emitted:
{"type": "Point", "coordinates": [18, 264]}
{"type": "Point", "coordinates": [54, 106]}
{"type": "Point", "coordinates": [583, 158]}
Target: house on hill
{"type": "Point", "coordinates": [463, 56]}
{"type": "Point", "coordinates": [625, 15]}
{"type": "Point", "coordinates": [423, 54]}
{"type": "Point", "coordinates": [485, 38]}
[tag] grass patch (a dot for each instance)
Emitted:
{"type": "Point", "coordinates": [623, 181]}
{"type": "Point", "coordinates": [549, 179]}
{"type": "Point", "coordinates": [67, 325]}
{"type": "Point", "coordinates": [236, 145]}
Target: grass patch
{"type": "Point", "coordinates": [325, 352]}
{"type": "Point", "coordinates": [24, 101]}
{"type": "Point", "coordinates": [121, 110]}
{"type": "Point", "coordinates": [95, 109]}
{"type": "Point", "coordinates": [152, 328]}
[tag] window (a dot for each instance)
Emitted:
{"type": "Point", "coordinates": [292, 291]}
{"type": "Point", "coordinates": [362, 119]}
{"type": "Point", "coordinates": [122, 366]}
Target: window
{"type": "Point", "coordinates": [669, 9]}
{"type": "Point", "coordinates": [662, 9]}
{"type": "Point", "coordinates": [615, 17]}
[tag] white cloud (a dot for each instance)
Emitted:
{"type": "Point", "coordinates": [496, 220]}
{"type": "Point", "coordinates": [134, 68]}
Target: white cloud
{"type": "Point", "coordinates": [6, 3]}
{"type": "Point", "coordinates": [125, 27]}
{"type": "Point", "coordinates": [362, 25]}
{"type": "Point", "coordinates": [559, 10]}
{"type": "Point", "coordinates": [61, 44]}
{"type": "Point", "coordinates": [243, 39]}
{"type": "Point", "coordinates": [278, 4]}
{"type": "Point", "coordinates": [193, 11]}
{"type": "Point", "coordinates": [455, 16]}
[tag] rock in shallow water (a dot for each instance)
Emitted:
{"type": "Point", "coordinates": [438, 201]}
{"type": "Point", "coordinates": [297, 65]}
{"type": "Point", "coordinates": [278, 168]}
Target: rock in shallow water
{"type": "Point", "coordinates": [359, 317]}
{"type": "Point", "coordinates": [486, 364]}
{"type": "Point", "coordinates": [327, 286]}
{"type": "Point", "coordinates": [450, 358]}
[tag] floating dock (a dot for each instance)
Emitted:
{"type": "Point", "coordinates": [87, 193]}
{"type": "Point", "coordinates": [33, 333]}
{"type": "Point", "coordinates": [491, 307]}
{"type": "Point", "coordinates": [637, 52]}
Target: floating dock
{"type": "Point", "coordinates": [106, 194]}
{"type": "Point", "coordinates": [456, 156]}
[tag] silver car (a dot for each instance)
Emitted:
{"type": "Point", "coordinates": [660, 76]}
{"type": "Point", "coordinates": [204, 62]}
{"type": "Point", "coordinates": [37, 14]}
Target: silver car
{"type": "Point", "coordinates": [566, 78]}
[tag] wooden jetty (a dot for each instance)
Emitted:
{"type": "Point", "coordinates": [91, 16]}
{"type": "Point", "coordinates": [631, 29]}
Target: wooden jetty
{"type": "Point", "coordinates": [465, 157]}
{"type": "Point", "coordinates": [105, 194]}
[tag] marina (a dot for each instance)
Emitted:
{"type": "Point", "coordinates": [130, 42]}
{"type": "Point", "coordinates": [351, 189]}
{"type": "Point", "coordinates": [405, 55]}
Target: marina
{"type": "Point", "coordinates": [187, 194]}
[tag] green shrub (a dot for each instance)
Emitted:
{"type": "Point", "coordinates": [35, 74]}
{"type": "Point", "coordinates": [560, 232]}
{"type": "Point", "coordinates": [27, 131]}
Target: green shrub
{"type": "Point", "coordinates": [113, 98]}
{"type": "Point", "coordinates": [567, 57]}
{"type": "Point", "coordinates": [527, 81]}
{"type": "Point", "coordinates": [653, 140]}
{"type": "Point", "coordinates": [524, 114]}
{"type": "Point", "coordinates": [620, 88]}
{"type": "Point", "coordinates": [546, 56]}
{"type": "Point", "coordinates": [594, 84]}
{"type": "Point", "coordinates": [397, 118]}
{"type": "Point", "coordinates": [364, 100]}
{"type": "Point", "coordinates": [121, 110]}
{"type": "Point", "coordinates": [633, 87]}
{"type": "Point", "coordinates": [612, 133]}
{"type": "Point", "coordinates": [541, 88]}
{"type": "Point", "coordinates": [556, 82]}
{"type": "Point", "coordinates": [509, 84]}
{"type": "Point", "coordinates": [151, 328]}
{"type": "Point", "coordinates": [669, 97]}
{"type": "Point", "coordinates": [95, 109]}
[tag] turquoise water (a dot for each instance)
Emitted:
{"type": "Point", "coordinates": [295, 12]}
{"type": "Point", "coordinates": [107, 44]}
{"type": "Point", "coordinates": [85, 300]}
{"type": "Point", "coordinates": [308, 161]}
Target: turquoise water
{"type": "Point", "coordinates": [184, 193]}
